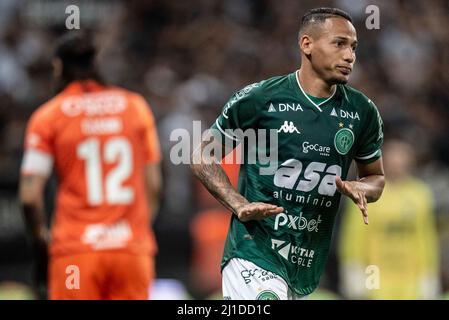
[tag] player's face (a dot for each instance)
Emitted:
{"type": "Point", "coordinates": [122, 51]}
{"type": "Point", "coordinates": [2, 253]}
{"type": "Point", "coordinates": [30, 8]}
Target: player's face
{"type": "Point", "coordinates": [333, 53]}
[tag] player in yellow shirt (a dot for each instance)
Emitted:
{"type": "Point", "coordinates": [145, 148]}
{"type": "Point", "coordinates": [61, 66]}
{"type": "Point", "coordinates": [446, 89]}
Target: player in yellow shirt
{"type": "Point", "coordinates": [400, 243]}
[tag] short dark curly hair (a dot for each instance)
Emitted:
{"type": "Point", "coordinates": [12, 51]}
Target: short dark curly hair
{"type": "Point", "coordinates": [77, 52]}
{"type": "Point", "coordinates": [319, 15]}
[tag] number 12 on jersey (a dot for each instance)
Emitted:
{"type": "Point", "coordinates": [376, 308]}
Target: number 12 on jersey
{"type": "Point", "coordinates": [115, 150]}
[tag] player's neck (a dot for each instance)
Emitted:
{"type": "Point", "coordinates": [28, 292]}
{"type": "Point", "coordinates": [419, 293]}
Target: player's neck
{"type": "Point", "coordinates": [313, 85]}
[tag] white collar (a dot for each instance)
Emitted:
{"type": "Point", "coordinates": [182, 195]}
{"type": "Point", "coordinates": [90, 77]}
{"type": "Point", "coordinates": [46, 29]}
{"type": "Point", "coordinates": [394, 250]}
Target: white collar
{"type": "Point", "coordinates": [305, 94]}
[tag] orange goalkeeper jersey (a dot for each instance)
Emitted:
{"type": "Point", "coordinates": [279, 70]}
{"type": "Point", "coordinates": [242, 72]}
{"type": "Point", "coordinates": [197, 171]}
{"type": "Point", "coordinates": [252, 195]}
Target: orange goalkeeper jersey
{"type": "Point", "coordinates": [99, 140]}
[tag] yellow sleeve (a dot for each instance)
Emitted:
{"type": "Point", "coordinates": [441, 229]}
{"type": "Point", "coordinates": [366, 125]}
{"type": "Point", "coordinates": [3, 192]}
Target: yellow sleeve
{"type": "Point", "coordinates": [352, 235]}
{"type": "Point", "coordinates": [352, 252]}
{"type": "Point", "coordinates": [428, 250]}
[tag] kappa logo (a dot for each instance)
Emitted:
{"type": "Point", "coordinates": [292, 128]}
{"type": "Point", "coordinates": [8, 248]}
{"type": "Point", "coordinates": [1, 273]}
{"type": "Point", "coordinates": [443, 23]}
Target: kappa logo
{"type": "Point", "coordinates": [345, 114]}
{"type": "Point", "coordinates": [282, 107]}
{"type": "Point", "coordinates": [288, 127]}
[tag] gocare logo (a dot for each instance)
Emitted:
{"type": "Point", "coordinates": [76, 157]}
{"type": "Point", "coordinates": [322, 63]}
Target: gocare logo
{"type": "Point", "coordinates": [297, 222]}
{"type": "Point", "coordinates": [322, 150]}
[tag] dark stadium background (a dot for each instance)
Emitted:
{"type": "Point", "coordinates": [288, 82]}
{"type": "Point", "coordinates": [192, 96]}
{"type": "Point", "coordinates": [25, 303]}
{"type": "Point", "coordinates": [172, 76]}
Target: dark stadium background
{"type": "Point", "coordinates": [187, 57]}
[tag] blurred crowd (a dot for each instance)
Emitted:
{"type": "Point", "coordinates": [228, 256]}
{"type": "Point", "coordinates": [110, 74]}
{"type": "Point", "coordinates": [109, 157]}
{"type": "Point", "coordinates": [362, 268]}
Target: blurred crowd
{"type": "Point", "coordinates": [187, 58]}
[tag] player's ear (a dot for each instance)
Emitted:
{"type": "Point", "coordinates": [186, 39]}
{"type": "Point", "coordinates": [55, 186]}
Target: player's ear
{"type": "Point", "coordinates": [305, 44]}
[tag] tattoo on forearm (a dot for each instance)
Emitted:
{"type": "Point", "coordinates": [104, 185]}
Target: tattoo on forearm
{"type": "Point", "coordinates": [217, 182]}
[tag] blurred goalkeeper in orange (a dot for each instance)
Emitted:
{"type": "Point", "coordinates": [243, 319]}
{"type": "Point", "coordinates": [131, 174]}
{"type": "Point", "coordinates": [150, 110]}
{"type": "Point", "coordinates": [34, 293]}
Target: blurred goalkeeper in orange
{"type": "Point", "coordinates": [103, 145]}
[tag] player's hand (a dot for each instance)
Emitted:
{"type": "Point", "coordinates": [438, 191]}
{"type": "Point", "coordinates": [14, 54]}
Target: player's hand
{"type": "Point", "coordinates": [257, 211]}
{"type": "Point", "coordinates": [353, 190]}
{"type": "Point", "coordinates": [40, 265]}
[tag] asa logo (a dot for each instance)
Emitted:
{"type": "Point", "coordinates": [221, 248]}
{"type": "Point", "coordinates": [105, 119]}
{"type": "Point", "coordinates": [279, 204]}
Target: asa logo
{"type": "Point", "coordinates": [316, 174]}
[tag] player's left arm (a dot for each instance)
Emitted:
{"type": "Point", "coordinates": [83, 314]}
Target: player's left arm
{"type": "Point", "coordinates": [367, 188]}
{"type": "Point", "coordinates": [152, 154]}
{"type": "Point", "coordinates": [368, 157]}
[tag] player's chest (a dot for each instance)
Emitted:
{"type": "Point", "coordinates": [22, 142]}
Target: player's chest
{"type": "Point", "coordinates": [310, 133]}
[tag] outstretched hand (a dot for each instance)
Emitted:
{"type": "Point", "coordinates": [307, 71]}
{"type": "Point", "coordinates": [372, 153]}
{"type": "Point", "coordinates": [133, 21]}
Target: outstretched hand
{"type": "Point", "coordinates": [354, 190]}
{"type": "Point", "coordinates": [257, 211]}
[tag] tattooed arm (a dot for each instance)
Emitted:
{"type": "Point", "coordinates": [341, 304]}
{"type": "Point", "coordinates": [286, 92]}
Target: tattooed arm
{"type": "Point", "coordinates": [208, 170]}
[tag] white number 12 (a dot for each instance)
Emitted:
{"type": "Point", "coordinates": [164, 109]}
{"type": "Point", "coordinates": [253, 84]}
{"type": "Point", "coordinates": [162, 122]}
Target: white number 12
{"type": "Point", "coordinates": [115, 150]}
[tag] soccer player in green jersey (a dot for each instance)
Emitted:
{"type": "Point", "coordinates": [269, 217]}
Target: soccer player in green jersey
{"type": "Point", "coordinates": [282, 223]}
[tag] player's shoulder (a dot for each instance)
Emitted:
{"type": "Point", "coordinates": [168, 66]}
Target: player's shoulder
{"type": "Point", "coordinates": [357, 98]}
{"type": "Point", "coordinates": [135, 100]}
{"type": "Point", "coordinates": [48, 110]}
{"type": "Point", "coordinates": [138, 106]}
{"type": "Point", "coordinates": [263, 88]}
{"type": "Point", "coordinates": [130, 95]}
{"type": "Point", "coordinates": [275, 81]}
{"type": "Point", "coordinates": [274, 84]}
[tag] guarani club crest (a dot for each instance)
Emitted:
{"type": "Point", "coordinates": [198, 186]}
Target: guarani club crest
{"type": "Point", "coordinates": [267, 295]}
{"type": "Point", "coordinates": [343, 141]}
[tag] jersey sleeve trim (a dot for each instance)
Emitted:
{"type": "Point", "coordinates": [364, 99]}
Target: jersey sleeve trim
{"type": "Point", "coordinates": [225, 133]}
{"type": "Point", "coordinates": [37, 162]}
{"type": "Point", "coordinates": [372, 155]}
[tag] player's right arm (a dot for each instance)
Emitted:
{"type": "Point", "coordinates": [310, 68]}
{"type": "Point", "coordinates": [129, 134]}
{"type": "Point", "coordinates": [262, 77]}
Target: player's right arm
{"type": "Point", "coordinates": [239, 113]}
{"type": "Point", "coordinates": [208, 170]}
{"type": "Point", "coordinates": [36, 167]}
{"type": "Point", "coordinates": [31, 194]}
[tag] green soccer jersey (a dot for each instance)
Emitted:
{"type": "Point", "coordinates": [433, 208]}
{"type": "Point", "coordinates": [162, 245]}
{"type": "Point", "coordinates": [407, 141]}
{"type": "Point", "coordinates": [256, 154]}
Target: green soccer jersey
{"type": "Point", "coordinates": [316, 142]}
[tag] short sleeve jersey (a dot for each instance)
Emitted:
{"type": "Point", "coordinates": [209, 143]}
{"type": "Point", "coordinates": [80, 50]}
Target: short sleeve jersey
{"type": "Point", "coordinates": [99, 139]}
{"type": "Point", "coordinates": [315, 143]}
